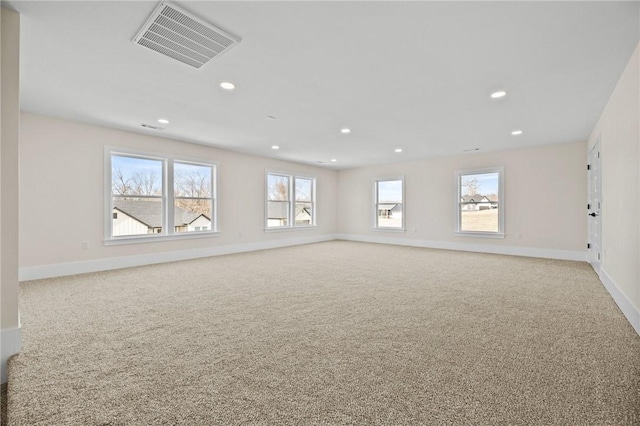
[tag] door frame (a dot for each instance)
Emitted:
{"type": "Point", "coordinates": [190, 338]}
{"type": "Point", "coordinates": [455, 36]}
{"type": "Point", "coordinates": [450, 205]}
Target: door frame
{"type": "Point", "coordinates": [594, 206]}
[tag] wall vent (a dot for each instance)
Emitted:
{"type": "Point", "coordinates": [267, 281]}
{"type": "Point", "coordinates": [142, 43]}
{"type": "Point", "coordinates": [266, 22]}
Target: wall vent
{"type": "Point", "coordinates": [149, 126]}
{"type": "Point", "coordinates": [176, 33]}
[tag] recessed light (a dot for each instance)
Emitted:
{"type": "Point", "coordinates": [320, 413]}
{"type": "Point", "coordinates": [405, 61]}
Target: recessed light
{"type": "Point", "coordinates": [163, 121]}
{"type": "Point", "coordinates": [333, 160]}
{"type": "Point", "coordinates": [516, 132]}
{"type": "Point", "coordinates": [345, 130]}
{"type": "Point", "coordinates": [227, 85]}
{"type": "Point", "coordinates": [398, 150]}
{"type": "Point", "coordinates": [275, 147]}
{"type": "Point", "coordinates": [271, 117]}
{"type": "Point", "coordinates": [498, 94]}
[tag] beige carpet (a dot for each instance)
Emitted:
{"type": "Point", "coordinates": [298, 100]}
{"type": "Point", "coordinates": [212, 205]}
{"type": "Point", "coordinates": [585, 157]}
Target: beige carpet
{"type": "Point", "coordinates": [3, 404]}
{"type": "Point", "coordinates": [331, 333]}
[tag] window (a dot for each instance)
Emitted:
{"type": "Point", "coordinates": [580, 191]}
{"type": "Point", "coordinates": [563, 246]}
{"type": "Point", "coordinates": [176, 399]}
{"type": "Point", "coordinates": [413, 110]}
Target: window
{"type": "Point", "coordinates": [389, 203]}
{"type": "Point", "coordinates": [304, 201]}
{"type": "Point", "coordinates": [290, 201]}
{"type": "Point", "coordinates": [142, 189]}
{"type": "Point", "coordinates": [278, 205]}
{"type": "Point", "coordinates": [193, 196]}
{"type": "Point", "coordinates": [480, 208]}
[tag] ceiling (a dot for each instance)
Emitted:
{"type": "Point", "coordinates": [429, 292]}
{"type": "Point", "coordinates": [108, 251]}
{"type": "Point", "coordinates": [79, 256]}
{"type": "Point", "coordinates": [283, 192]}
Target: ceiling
{"type": "Point", "coordinates": [410, 75]}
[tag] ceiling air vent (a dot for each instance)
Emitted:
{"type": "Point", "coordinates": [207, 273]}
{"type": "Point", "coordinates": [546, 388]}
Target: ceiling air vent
{"type": "Point", "coordinates": [176, 33]}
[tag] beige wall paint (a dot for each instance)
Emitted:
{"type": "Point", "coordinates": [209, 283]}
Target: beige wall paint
{"type": "Point", "coordinates": [62, 197]}
{"type": "Point", "coordinates": [545, 197]}
{"type": "Point", "coordinates": [619, 133]}
{"type": "Point", "coordinates": [62, 166]}
{"type": "Point", "coordinates": [9, 156]}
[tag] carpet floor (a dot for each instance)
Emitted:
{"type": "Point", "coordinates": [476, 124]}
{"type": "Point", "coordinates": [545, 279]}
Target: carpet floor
{"type": "Point", "coordinates": [331, 333]}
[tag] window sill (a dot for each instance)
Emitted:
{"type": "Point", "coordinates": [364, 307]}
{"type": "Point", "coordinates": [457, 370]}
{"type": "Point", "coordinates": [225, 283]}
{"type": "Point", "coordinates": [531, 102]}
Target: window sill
{"type": "Point", "coordinates": [290, 228]}
{"type": "Point", "coordinates": [159, 238]}
{"type": "Point", "coordinates": [384, 229]}
{"type": "Point", "coordinates": [473, 234]}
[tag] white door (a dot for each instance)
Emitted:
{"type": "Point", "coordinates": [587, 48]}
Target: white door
{"type": "Point", "coordinates": [594, 207]}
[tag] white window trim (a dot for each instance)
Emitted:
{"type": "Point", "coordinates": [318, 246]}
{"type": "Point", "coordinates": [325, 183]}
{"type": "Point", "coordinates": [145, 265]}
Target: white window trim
{"type": "Point", "coordinates": [167, 198]}
{"type": "Point", "coordinates": [375, 226]}
{"type": "Point", "coordinates": [292, 202]}
{"type": "Point", "coordinates": [501, 208]}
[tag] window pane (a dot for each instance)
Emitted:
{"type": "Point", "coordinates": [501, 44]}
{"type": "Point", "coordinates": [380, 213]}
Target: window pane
{"type": "Point", "coordinates": [304, 189]}
{"type": "Point", "coordinates": [136, 216]}
{"type": "Point", "coordinates": [136, 188]}
{"type": "Point", "coordinates": [278, 187]}
{"type": "Point", "coordinates": [389, 203]}
{"type": "Point", "coordinates": [135, 176]}
{"type": "Point", "coordinates": [277, 213]}
{"type": "Point", "coordinates": [191, 215]}
{"type": "Point", "coordinates": [479, 202]}
{"type": "Point", "coordinates": [192, 180]}
{"type": "Point", "coordinates": [304, 214]}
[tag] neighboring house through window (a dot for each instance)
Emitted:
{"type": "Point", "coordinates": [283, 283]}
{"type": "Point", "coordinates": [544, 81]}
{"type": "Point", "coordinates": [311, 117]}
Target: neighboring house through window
{"type": "Point", "coordinates": [480, 207]}
{"type": "Point", "coordinates": [159, 196]}
{"type": "Point", "coordinates": [290, 201]}
{"type": "Point", "coordinates": [389, 203]}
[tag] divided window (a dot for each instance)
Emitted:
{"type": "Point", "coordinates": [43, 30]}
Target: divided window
{"type": "Point", "coordinates": [480, 208]}
{"type": "Point", "coordinates": [389, 203]}
{"type": "Point", "coordinates": [290, 201]}
{"type": "Point", "coordinates": [159, 196]}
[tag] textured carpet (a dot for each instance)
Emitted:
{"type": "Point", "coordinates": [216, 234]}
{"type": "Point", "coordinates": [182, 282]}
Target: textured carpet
{"type": "Point", "coordinates": [3, 404]}
{"type": "Point", "coordinates": [330, 333]}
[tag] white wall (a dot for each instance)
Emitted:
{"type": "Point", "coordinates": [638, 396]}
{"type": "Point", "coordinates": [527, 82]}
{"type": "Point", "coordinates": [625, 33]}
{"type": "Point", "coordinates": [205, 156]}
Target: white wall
{"type": "Point", "coordinates": [545, 201]}
{"type": "Point", "coordinates": [62, 170]}
{"type": "Point", "coordinates": [10, 337]}
{"type": "Point", "coordinates": [619, 132]}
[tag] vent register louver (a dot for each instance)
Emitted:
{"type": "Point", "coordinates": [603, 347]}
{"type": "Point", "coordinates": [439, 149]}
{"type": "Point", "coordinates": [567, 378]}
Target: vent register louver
{"type": "Point", "coordinates": [176, 33]}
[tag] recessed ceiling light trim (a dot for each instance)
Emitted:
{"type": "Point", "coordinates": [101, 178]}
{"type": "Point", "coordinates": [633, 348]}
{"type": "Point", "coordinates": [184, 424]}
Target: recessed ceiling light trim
{"type": "Point", "coordinates": [398, 150]}
{"type": "Point", "coordinates": [516, 132]}
{"type": "Point", "coordinates": [163, 121]}
{"type": "Point", "coordinates": [275, 147]}
{"type": "Point", "coordinates": [345, 130]}
{"type": "Point", "coordinates": [227, 85]}
{"type": "Point", "coordinates": [498, 94]}
{"type": "Point", "coordinates": [178, 34]}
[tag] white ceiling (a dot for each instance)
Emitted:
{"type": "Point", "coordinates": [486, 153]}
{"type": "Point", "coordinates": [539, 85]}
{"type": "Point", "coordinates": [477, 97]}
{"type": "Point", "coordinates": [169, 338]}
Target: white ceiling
{"type": "Point", "coordinates": [415, 75]}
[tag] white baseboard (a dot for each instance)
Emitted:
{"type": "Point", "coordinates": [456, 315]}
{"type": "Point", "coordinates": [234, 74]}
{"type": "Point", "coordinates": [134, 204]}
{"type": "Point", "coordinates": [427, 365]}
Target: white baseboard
{"type": "Point", "coordinates": [82, 267]}
{"type": "Point", "coordinates": [10, 344]}
{"type": "Point", "coordinates": [626, 306]}
{"type": "Point", "coordinates": [475, 247]}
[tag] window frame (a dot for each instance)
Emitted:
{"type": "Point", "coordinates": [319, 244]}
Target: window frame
{"type": "Point", "coordinates": [501, 209]}
{"type": "Point", "coordinates": [167, 197]}
{"type": "Point", "coordinates": [291, 180]}
{"type": "Point", "coordinates": [376, 226]}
